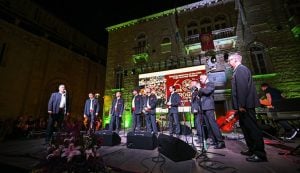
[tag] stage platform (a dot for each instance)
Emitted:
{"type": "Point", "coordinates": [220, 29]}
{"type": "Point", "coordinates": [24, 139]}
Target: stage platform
{"type": "Point", "coordinates": [23, 155]}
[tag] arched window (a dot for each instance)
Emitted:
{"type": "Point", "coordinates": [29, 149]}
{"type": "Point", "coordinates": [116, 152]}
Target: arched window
{"type": "Point", "coordinates": [141, 40]}
{"type": "Point", "coordinates": [205, 25]}
{"type": "Point", "coordinates": [220, 22]}
{"type": "Point", "coordinates": [192, 28]}
{"type": "Point", "coordinates": [166, 40]}
{"type": "Point", "coordinates": [258, 59]}
{"type": "Point", "coordinates": [165, 45]}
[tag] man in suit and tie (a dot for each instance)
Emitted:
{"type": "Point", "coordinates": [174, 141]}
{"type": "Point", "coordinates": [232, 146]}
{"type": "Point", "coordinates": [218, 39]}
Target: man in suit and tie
{"type": "Point", "coordinates": [207, 105]}
{"type": "Point", "coordinates": [244, 100]}
{"type": "Point", "coordinates": [116, 111]}
{"type": "Point", "coordinates": [91, 110]}
{"type": "Point", "coordinates": [137, 108]}
{"type": "Point", "coordinates": [58, 108]}
{"type": "Point", "coordinates": [173, 102]}
{"type": "Point", "coordinates": [149, 111]}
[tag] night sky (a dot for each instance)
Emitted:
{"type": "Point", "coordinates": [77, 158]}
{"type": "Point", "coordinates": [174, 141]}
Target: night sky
{"type": "Point", "coordinates": [91, 17]}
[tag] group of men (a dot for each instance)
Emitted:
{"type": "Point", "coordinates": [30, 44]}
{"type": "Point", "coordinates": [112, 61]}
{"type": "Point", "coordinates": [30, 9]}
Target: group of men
{"type": "Point", "coordinates": [140, 105]}
{"type": "Point", "coordinates": [244, 101]}
{"type": "Point", "coordinates": [59, 109]}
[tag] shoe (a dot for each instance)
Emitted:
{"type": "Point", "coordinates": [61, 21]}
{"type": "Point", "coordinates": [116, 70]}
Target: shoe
{"type": "Point", "coordinates": [177, 136]}
{"type": "Point", "coordinates": [246, 153]}
{"type": "Point", "coordinates": [220, 145]}
{"type": "Point", "coordinates": [255, 158]}
{"type": "Point", "coordinates": [294, 133]}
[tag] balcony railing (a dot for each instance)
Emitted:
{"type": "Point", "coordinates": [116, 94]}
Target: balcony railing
{"type": "Point", "coordinates": [223, 33]}
{"type": "Point", "coordinates": [192, 39]}
{"type": "Point", "coordinates": [217, 34]}
{"type": "Point", "coordinates": [139, 50]}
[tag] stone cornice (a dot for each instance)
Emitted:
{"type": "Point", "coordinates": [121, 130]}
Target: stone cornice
{"type": "Point", "coordinates": [185, 8]}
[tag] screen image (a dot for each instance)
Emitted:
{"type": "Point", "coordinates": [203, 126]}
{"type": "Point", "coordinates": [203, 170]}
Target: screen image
{"type": "Point", "coordinates": [180, 78]}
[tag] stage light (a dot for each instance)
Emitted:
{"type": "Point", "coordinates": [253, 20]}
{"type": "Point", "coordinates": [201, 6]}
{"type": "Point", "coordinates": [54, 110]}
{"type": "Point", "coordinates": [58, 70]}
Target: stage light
{"type": "Point", "coordinates": [213, 59]}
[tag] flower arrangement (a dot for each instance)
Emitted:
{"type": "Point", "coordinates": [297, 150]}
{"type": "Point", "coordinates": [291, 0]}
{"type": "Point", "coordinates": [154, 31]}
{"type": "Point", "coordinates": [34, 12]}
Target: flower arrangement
{"type": "Point", "coordinates": [69, 152]}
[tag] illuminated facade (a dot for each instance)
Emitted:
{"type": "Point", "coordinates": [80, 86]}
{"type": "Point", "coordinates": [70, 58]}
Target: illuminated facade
{"type": "Point", "coordinates": [37, 52]}
{"type": "Point", "coordinates": [171, 39]}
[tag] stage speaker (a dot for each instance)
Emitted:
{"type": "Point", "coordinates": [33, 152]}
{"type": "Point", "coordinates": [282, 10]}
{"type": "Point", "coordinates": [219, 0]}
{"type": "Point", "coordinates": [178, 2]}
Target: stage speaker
{"type": "Point", "coordinates": [108, 138]}
{"type": "Point", "coordinates": [141, 140]}
{"type": "Point", "coordinates": [175, 149]}
{"type": "Point", "coordinates": [184, 130]}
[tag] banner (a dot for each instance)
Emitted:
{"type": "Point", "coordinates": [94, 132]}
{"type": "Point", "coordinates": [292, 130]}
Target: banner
{"type": "Point", "coordinates": [181, 81]}
{"type": "Point", "coordinates": [207, 42]}
{"type": "Point", "coordinates": [180, 78]}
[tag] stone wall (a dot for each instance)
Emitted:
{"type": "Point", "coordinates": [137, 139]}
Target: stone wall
{"type": "Point", "coordinates": [267, 24]}
{"type": "Point", "coordinates": [32, 68]}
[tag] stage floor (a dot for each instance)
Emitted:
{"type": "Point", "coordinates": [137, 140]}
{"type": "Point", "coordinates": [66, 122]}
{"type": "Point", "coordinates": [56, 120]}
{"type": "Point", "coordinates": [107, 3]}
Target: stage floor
{"type": "Point", "coordinates": [23, 155]}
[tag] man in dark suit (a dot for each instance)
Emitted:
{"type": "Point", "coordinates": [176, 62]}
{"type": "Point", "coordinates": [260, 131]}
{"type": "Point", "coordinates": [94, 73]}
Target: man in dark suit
{"type": "Point", "coordinates": [245, 99]}
{"type": "Point", "coordinates": [195, 108]}
{"type": "Point", "coordinates": [116, 111]}
{"type": "Point", "coordinates": [91, 110]}
{"type": "Point", "coordinates": [207, 105]}
{"type": "Point", "coordinates": [173, 102]}
{"type": "Point", "coordinates": [137, 108]}
{"type": "Point", "coordinates": [149, 111]}
{"type": "Point", "coordinates": [58, 108]}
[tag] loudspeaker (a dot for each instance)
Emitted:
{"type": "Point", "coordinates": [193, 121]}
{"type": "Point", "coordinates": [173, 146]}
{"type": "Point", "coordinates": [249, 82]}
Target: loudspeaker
{"type": "Point", "coordinates": [141, 140]}
{"type": "Point", "coordinates": [108, 138]}
{"type": "Point", "coordinates": [174, 148]}
{"type": "Point", "coordinates": [184, 130]}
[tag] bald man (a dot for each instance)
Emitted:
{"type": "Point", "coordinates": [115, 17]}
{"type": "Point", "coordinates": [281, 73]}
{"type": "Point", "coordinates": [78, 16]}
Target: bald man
{"type": "Point", "coordinates": [244, 100]}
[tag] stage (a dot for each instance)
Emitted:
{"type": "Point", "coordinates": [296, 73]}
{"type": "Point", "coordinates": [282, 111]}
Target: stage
{"type": "Point", "coordinates": [23, 155]}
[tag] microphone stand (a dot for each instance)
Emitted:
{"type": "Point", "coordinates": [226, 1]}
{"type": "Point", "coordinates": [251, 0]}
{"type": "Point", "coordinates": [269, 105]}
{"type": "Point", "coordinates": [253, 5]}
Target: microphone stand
{"type": "Point", "coordinates": [203, 140]}
{"type": "Point", "coordinates": [184, 124]}
{"type": "Point", "coordinates": [191, 113]}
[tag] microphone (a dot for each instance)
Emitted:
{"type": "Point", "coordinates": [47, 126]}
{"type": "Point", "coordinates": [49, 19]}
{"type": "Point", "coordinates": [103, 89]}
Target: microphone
{"type": "Point", "coordinates": [194, 88]}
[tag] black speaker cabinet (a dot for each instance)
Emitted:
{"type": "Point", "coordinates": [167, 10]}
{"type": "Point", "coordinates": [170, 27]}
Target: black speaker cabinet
{"type": "Point", "coordinates": [141, 140]}
{"type": "Point", "coordinates": [175, 149]}
{"type": "Point", "coordinates": [108, 138]}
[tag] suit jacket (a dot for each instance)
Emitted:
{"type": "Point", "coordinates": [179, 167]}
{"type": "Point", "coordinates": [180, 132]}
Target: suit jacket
{"type": "Point", "coordinates": [243, 91]}
{"type": "Point", "coordinates": [152, 103]}
{"type": "Point", "coordinates": [195, 101]}
{"type": "Point", "coordinates": [119, 109]}
{"type": "Point", "coordinates": [175, 102]}
{"type": "Point", "coordinates": [96, 106]}
{"type": "Point", "coordinates": [206, 95]}
{"type": "Point", "coordinates": [138, 104]}
{"type": "Point", "coordinates": [54, 101]}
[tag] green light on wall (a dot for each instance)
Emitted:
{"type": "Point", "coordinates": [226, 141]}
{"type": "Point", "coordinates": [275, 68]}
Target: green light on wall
{"type": "Point", "coordinates": [165, 44]}
{"type": "Point", "coordinates": [117, 89]}
{"type": "Point", "coordinates": [195, 46]}
{"type": "Point", "coordinates": [142, 57]}
{"type": "Point", "coordinates": [296, 31]}
{"type": "Point", "coordinates": [126, 116]}
{"type": "Point", "coordinates": [128, 119]}
{"type": "Point", "coordinates": [264, 76]}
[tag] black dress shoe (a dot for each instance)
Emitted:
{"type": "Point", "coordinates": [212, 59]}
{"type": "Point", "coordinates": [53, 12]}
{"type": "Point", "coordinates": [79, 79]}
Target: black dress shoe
{"type": "Point", "coordinates": [220, 145]}
{"type": "Point", "coordinates": [247, 153]}
{"type": "Point", "coordinates": [255, 158]}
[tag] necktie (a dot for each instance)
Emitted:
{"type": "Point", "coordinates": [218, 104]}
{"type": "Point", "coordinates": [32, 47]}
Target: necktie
{"type": "Point", "coordinates": [116, 105]}
{"type": "Point", "coordinates": [148, 101]}
{"type": "Point", "coordinates": [91, 105]}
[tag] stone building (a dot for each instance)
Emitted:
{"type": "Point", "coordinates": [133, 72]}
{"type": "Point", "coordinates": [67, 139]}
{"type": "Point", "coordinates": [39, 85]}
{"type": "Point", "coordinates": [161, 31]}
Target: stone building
{"type": "Point", "coordinates": [37, 53]}
{"type": "Point", "coordinates": [266, 33]}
